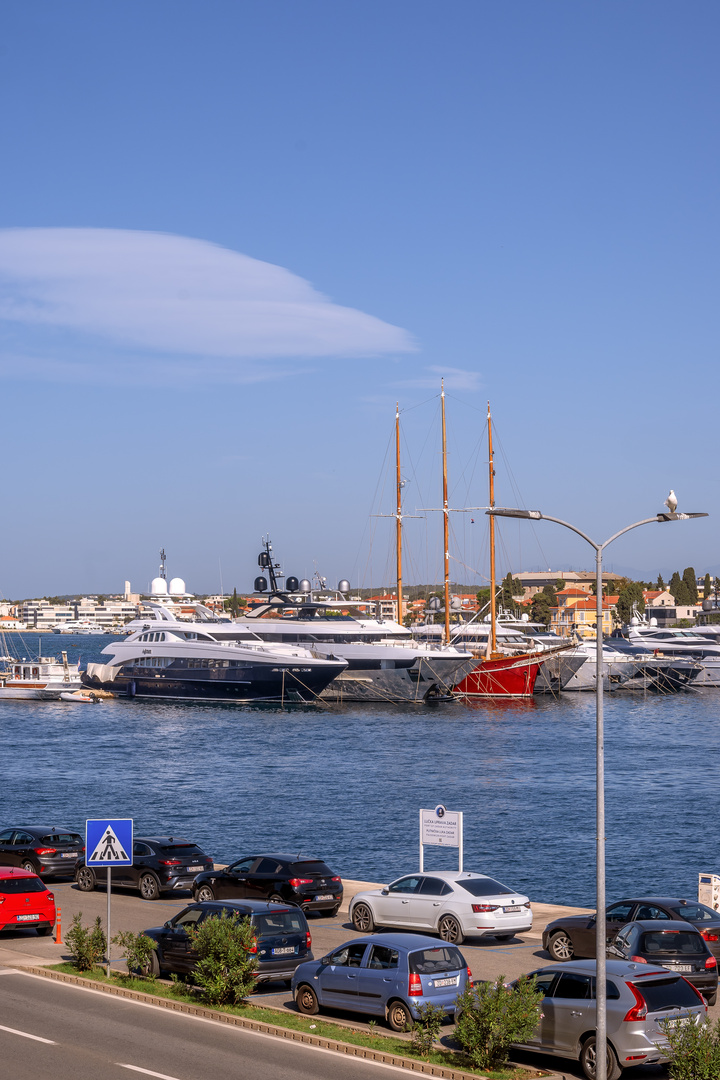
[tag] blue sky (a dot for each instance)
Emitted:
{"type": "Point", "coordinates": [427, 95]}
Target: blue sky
{"type": "Point", "coordinates": [233, 235]}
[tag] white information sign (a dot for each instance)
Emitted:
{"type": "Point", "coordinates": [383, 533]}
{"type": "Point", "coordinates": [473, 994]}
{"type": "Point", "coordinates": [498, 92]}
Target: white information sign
{"type": "Point", "coordinates": [441, 828]}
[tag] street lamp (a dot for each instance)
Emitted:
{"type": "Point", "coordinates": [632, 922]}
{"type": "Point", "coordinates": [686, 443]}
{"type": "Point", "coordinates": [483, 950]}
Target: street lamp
{"type": "Point", "coordinates": [600, 923]}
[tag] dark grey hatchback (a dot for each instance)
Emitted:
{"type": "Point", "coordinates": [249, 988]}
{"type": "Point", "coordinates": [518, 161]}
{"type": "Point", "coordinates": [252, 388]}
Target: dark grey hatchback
{"type": "Point", "coordinates": [160, 864]}
{"type": "Point", "coordinates": [672, 944]}
{"type": "Point", "coordinates": [283, 938]}
{"type": "Point", "coordinates": [45, 850]}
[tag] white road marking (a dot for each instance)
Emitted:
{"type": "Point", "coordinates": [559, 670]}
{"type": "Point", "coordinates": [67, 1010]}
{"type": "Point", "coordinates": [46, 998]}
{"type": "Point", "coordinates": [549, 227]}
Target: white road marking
{"type": "Point", "coordinates": [146, 1072]}
{"type": "Point", "coordinates": [27, 1035]}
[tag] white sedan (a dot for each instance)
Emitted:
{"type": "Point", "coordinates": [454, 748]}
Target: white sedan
{"type": "Point", "coordinates": [451, 904]}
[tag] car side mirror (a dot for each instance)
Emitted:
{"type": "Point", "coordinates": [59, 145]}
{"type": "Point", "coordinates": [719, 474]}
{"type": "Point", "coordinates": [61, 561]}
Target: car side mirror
{"type": "Point", "coordinates": [385, 892]}
{"type": "Point", "coordinates": [593, 920]}
{"type": "Point", "coordinates": [326, 960]}
{"type": "Point", "coordinates": [167, 924]}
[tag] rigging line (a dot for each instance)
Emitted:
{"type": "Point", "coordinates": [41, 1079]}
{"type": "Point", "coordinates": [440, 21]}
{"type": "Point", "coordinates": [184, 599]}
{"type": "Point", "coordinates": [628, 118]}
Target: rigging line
{"type": "Point", "coordinates": [382, 473]}
{"type": "Point", "coordinates": [410, 408]}
{"type": "Point", "coordinates": [516, 491]}
{"type": "Point", "coordinates": [464, 402]}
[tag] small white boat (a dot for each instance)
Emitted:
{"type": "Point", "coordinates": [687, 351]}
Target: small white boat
{"type": "Point", "coordinates": [79, 695]}
{"type": "Point", "coordinates": [42, 679]}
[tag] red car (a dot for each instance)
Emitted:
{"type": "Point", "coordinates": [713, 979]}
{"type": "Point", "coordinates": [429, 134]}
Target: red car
{"type": "Point", "coordinates": [25, 901]}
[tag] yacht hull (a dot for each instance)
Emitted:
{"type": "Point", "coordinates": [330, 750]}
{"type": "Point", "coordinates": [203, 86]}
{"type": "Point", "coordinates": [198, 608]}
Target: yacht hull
{"type": "Point", "coordinates": [429, 678]}
{"type": "Point", "coordinates": [509, 676]}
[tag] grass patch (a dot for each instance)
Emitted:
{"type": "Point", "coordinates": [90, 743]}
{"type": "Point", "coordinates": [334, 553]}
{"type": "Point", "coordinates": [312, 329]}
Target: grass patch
{"type": "Point", "coordinates": [313, 1025]}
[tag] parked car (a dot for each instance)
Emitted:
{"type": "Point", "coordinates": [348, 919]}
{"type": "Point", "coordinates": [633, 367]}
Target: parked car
{"type": "Point", "coordinates": [25, 901]}
{"type": "Point", "coordinates": [573, 937]}
{"type": "Point", "coordinates": [641, 1000]}
{"type": "Point", "coordinates": [387, 975]}
{"type": "Point", "coordinates": [292, 879]}
{"type": "Point", "coordinates": [452, 904]}
{"type": "Point", "coordinates": [160, 864]}
{"type": "Point", "coordinates": [283, 938]}
{"type": "Point", "coordinates": [49, 851]}
{"type": "Point", "coordinates": [672, 944]}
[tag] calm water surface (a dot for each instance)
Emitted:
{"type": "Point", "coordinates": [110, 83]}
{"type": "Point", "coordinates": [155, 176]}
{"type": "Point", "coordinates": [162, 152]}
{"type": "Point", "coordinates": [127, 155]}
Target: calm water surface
{"type": "Point", "coordinates": [347, 783]}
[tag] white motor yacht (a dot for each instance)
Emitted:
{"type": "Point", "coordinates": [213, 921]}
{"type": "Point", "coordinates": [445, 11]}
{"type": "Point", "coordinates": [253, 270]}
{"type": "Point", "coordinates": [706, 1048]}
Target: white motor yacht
{"type": "Point", "coordinates": [45, 678]}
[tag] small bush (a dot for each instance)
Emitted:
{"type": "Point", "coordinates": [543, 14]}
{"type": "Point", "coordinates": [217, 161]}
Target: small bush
{"type": "Point", "coordinates": [426, 1029]}
{"type": "Point", "coordinates": [694, 1050]}
{"type": "Point", "coordinates": [88, 945]}
{"type": "Point", "coordinates": [138, 949]}
{"type": "Point", "coordinates": [494, 1016]}
{"type": "Point", "coordinates": [226, 946]}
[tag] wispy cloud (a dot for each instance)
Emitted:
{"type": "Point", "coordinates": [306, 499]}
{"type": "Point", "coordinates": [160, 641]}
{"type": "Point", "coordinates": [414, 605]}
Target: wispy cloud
{"type": "Point", "coordinates": [455, 379]}
{"type": "Point", "coordinates": [156, 295]}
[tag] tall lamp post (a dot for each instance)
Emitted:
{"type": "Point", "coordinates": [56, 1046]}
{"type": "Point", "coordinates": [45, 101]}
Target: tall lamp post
{"type": "Point", "coordinates": [600, 924]}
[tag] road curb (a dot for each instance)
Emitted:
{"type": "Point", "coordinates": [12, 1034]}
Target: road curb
{"type": "Point", "coordinates": [411, 1064]}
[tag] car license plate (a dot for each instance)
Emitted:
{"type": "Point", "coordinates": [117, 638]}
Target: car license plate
{"type": "Point", "coordinates": [285, 951]}
{"type": "Point", "coordinates": [27, 918]}
{"type": "Point", "coordinates": [680, 967]}
{"type": "Point", "coordinates": [446, 982]}
{"type": "Point", "coordinates": [69, 855]}
{"type": "Point", "coordinates": [507, 909]}
{"type": "Point", "coordinates": [325, 896]}
{"type": "Point", "coordinates": [192, 869]}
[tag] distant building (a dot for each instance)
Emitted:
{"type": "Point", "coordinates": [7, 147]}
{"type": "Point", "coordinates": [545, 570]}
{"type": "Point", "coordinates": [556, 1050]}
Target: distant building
{"type": "Point", "coordinates": [44, 616]}
{"type": "Point", "coordinates": [535, 581]}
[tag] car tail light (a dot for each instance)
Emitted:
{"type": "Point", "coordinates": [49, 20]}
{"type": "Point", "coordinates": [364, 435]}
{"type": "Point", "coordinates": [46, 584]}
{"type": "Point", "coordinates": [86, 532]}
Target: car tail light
{"type": "Point", "coordinates": [45, 851]}
{"type": "Point", "coordinates": [308, 939]}
{"type": "Point", "coordinates": [170, 862]}
{"type": "Point", "coordinates": [484, 907]}
{"type": "Point", "coordinates": [295, 881]}
{"type": "Point", "coordinates": [254, 946]}
{"type": "Point", "coordinates": [709, 936]}
{"type": "Point", "coordinates": [527, 905]}
{"type": "Point", "coordinates": [414, 985]}
{"type": "Point", "coordinates": [639, 959]}
{"type": "Point", "coordinates": [51, 896]}
{"type": "Point", "coordinates": [469, 976]}
{"type": "Point", "coordinates": [639, 1009]}
{"type": "Point", "coordinates": [336, 879]}
{"type": "Point", "coordinates": [711, 962]}
{"type": "Point", "coordinates": [2, 899]}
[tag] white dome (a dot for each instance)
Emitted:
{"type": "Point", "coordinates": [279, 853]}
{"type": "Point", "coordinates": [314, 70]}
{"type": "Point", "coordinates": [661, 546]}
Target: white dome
{"type": "Point", "coordinates": [158, 587]}
{"type": "Point", "coordinates": [177, 587]}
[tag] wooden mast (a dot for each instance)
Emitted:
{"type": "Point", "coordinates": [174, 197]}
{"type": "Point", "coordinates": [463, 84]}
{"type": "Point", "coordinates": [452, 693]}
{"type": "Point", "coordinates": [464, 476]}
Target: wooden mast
{"type": "Point", "coordinates": [398, 515]}
{"type": "Point", "coordinates": [493, 640]}
{"type": "Point", "coordinates": [446, 540]}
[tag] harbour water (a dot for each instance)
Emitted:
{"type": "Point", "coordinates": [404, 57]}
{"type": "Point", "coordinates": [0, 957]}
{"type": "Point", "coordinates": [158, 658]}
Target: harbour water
{"type": "Point", "coordinates": [347, 783]}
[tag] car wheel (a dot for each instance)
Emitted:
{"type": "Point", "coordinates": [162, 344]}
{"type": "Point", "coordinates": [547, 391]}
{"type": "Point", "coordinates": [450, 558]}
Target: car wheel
{"type": "Point", "coordinates": [399, 1017]}
{"type": "Point", "coordinates": [711, 998]}
{"type": "Point", "coordinates": [85, 879]}
{"type": "Point", "coordinates": [149, 887]}
{"type": "Point", "coordinates": [333, 911]}
{"type": "Point", "coordinates": [44, 931]}
{"type": "Point", "coordinates": [151, 966]}
{"type": "Point", "coordinates": [561, 947]}
{"type": "Point", "coordinates": [504, 937]}
{"type": "Point", "coordinates": [450, 930]}
{"type": "Point", "coordinates": [276, 898]}
{"type": "Point", "coordinates": [362, 919]}
{"type": "Point", "coordinates": [306, 1000]}
{"type": "Point", "coordinates": [204, 895]}
{"type": "Point", "coordinates": [29, 865]}
{"type": "Point", "coordinates": [588, 1060]}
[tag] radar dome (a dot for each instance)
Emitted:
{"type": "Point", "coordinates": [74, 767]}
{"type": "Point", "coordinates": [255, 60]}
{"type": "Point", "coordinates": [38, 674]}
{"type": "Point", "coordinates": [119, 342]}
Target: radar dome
{"type": "Point", "coordinates": [177, 587]}
{"type": "Point", "coordinates": [304, 585]}
{"type": "Point", "coordinates": [343, 585]}
{"type": "Point", "coordinates": [158, 587]}
{"type": "Point", "coordinates": [634, 621]}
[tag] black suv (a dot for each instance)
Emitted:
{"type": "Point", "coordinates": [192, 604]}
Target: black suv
{"type": "Point", "coordinates": [45, 850]}
{"type": "Point", "coordinates": [295, 879]}
{"type": "Point", "coordinates": [160, 863]}
{"type": "Point", "coordinates": [283, 938]}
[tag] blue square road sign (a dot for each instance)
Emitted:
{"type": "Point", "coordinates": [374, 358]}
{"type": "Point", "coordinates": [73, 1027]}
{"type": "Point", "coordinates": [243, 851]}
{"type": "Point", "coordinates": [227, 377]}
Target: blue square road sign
{"type": "Point", "coordinates": [108, 842]}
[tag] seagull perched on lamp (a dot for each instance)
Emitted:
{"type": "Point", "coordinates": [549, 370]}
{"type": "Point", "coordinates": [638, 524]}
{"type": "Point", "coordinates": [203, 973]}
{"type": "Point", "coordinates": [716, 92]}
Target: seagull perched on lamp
{"type": "Point", "coordinates": [671, 501]}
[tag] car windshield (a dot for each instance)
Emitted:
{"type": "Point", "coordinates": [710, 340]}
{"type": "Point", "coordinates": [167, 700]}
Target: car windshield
{"type": "Point", "coordinates": [429, 961]}
{"type": "Point", "coordinates": [672, 942]}
{"type": "Point", "coordinates": [279, 922]}
{"type": "Point", "coordinates": [484, 887]}
{"type": "Point", "coordinates": [62, 838]}
{"type": "Point", "coordinates": [311, 866]}
{"type": "Point", "coordinates": [662, 994]}
{"type": "Point", "coordinates": [8, 886]}
{"type": "Point", "coordinates": [696, 913]}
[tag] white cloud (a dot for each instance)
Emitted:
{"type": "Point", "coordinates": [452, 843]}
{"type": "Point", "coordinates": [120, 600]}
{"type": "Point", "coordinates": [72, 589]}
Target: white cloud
{"type": "Point", "coordinates": [160, 293]}
{"type": "Point", "coordinates": [455, 379]}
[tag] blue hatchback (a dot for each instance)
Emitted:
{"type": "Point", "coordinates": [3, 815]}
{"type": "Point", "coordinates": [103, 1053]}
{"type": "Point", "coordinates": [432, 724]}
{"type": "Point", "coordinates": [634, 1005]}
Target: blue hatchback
{"type": "Point", "coordinates": [386, 975]}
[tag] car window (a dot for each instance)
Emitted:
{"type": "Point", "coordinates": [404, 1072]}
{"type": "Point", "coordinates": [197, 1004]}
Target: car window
{"type": "Point", "coordinates": [620, 912]}
{"type": "Point", "coordinates": [383, 957]}
{"type": "Point", "coordinates": [431, 886]}
{"type": "Point", "coordinates": [572, 986]}
{"type": "Point", "coordinates": [665, 994]}
{"type": "Point", "coordinates": [405, 885]}
{"type": "Point", "coordinates": [650, 911]}
{"type": "Point", "coordinates": [279, 922]}
{"type": "Point", "coordinates": [692, 912]}
{"type": "Point", "coordinates": [486, 886]}
{"type": "Point", "coordinates": [268, 866]}
{"type": "Point", "coordinates": [189, 918]}
{"type": "Point", "coordinates": [11, 886]}
{"type": "Point", "coordinates": [243, 866]}
{"type": "Point", "coordinates": [442, 958]}
{"type": "Point", "coordinates": [679, 942]}
{"type": "Point", "coordinates": [24, 838]}
{"type": "Point", "coordinates": [544, 982]}
{"type": "Point", "coordinates": [6, 836]}
{"type": "Point", "coordinates": [62, 838]}
{"type": "Point", "coordinates": [349, 956]}
{"type": "Point", "coordinates": [141, 850]}
{"type": "Point", "coordinates": [622, 939]}
{"type": "Point", "coordinates": [310, 866]}
{"type": "Point", "coordinates": [612, 992]}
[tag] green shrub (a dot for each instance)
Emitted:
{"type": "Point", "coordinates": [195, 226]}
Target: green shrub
{"type": "Point", "coordinates": [138, 950]}
{"type": "Point", "coordinates": [426, 1028]}
{"type": "Point", "coordinates": [493, 1016]}
{"type": "Point", "coordinates": [88, 945]}
{"type": "Point", "coordinates": [227, 948]}
{"type": "Point", "coordinates": [694, 1050]}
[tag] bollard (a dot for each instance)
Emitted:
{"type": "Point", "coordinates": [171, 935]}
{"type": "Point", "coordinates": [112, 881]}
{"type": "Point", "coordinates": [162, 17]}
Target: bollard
{"type": "Point", "coordinates": [58, 930]}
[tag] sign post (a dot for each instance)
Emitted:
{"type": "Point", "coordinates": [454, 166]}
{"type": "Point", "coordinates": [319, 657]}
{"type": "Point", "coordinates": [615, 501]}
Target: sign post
{"type": "Point", "coordinates": [441, 828]}
{"type": "Point", "coordinates": [108, 842]}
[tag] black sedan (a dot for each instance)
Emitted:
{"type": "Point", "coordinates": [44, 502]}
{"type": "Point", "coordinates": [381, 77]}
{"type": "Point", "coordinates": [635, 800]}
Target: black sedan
{"type": "Point", "coordinates": [160, 864]}
{"type": "Point", "coordinates": [45, 850]}
{"type": "Point", "coordinates": [307, 882]}
{"type": "Point", "coordinates": [574, 937]}
{"type": "Point", "coordinates": [672, 944]}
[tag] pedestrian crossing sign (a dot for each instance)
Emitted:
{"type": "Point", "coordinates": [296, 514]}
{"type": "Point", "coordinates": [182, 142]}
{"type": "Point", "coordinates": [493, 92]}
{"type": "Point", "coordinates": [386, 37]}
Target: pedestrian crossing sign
{"type": "Point", "coordinates": [108, 842]}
